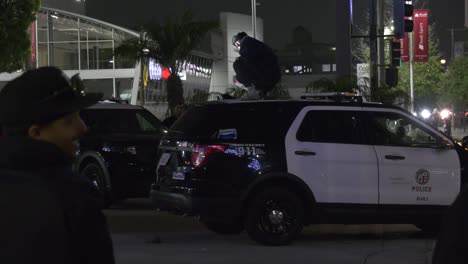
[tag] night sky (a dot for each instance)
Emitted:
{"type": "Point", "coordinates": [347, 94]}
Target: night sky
{"type": "Point", "coordinates": [280, 17]}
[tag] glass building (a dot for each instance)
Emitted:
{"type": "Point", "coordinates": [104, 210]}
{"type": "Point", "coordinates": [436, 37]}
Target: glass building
{"type": "Point", "coordinates": [79, 44]}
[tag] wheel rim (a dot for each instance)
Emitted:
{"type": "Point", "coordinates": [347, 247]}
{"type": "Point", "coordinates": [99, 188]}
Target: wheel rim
{"type": "Point", "coordinates": [95, 175]}
{"type": "Point", "coordinates": [277, 218]}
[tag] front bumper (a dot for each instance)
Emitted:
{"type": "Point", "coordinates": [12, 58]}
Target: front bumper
{"type": "Point", "coordinates": [210, 209]}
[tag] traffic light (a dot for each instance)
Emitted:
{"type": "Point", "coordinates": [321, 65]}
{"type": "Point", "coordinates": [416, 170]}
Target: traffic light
{"type": "Point", "coordinates": [391, 77]}
{"type": "Point", "coordinates": [395, 52]}
{"type": "Point", "coordinates": [402, 17]}
{"type": "Point", "coordinates": [409, 25]}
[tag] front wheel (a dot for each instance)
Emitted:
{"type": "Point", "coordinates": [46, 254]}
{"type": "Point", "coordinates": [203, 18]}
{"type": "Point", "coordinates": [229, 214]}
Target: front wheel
{"type": "Point", "coordinates": [275, 217]}
{"type": "Point", "coordinates": [95, 174]}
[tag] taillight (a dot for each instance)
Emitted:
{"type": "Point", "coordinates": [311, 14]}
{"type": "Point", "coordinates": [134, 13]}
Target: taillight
{"type": "Point", "coordinates": [200, 153]}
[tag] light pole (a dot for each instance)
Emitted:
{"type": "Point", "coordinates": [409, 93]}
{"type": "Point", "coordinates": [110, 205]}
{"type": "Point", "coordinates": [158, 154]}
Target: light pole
{"type": "Point", "coordinates": [452, 40]}
{"type": "Point", "coordinates": [254, 18]}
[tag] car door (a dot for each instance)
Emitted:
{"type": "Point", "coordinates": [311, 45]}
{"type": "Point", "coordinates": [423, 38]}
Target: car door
{"type": "Point", "coordinates": [417, 164]}
{"type": "Point", "coordinates": [324, 148]}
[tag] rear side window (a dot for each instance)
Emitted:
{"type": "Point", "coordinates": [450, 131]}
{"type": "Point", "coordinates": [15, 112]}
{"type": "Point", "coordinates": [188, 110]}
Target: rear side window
{"type": "Point", "coordinates": [197, 122]}
{"type": "Point", "coordinates": [120, 121]}
{"type": "Point", "coordinates": [341, 127]}
{"type": "Point", "coordinates": [257, 123]}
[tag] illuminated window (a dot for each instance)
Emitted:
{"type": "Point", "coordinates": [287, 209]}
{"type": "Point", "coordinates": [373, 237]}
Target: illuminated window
{"type": "Point", "coordinates": [326, 68]}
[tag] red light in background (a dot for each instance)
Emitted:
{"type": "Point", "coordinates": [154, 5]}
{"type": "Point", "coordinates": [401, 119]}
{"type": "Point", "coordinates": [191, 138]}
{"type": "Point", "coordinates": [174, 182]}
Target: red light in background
{"type": "Point", "coordinates": [166, 73]}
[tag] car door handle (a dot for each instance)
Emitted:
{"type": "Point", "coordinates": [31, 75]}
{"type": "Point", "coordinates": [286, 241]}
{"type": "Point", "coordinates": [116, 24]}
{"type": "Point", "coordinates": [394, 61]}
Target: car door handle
{"type": "Point", "coordinates": [305, 153]}
{"type": "Point", "coordinates": [394, 157]}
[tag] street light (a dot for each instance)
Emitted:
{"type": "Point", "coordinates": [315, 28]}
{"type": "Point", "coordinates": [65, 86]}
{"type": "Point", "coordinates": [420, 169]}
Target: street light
{"type": "Point", "coordinates": [443, 61]}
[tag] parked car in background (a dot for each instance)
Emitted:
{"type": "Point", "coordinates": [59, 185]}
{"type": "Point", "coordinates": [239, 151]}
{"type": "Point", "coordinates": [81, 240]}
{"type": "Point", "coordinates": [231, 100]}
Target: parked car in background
{"type": "Point", "coordinates": [119, 151]}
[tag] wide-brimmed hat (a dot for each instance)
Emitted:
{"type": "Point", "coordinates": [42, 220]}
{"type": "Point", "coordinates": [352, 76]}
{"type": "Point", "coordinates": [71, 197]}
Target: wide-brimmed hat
{"type": "Point", "coordinates": [43, 95]}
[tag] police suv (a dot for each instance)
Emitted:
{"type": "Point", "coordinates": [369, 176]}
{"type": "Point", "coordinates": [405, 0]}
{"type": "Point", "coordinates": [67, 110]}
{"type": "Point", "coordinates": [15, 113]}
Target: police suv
{"type": "Point", "coordinates": [272, 166]}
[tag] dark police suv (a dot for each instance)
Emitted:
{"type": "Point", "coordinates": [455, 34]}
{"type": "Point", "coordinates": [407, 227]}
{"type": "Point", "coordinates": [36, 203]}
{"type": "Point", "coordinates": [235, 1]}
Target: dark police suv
{"type": "Point", "coordinates": [119, 151]}
{"type": "Point", "coordinates": [270, 167]}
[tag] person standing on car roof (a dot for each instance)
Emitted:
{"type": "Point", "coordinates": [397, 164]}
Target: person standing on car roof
{"type": "Point", "coordinates": [257, 68]}
{"type": "Point", "coordinates": [49, 214]}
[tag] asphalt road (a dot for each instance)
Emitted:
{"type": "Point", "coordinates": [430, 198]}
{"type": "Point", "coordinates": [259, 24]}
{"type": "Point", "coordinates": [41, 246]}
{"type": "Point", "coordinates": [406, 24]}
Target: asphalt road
{"type": "Point", "coordinates": [136, 227]}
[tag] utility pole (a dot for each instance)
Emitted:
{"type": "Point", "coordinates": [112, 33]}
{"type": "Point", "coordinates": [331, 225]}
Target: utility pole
{"type": "Point", "coordinates": [380, 43]}
{"type": "Point", "coordinates": [411, 61]}
{"type": "Point", "coordinates": [254, 18]}
{"type": "Point", "coordinates": [343, 38]}
{"type": "Point", "coordinates": [452, 40]}
{"type": "Point", "coordinates": [373, 45]}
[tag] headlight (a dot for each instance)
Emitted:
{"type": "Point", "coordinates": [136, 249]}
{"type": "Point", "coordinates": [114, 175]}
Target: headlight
{"type": "Point", "coordinates": [116, 149]}
{"type": "Point", "coordinates": [425, 114]}
{"type": "Point", "coordinates": [444, 114]}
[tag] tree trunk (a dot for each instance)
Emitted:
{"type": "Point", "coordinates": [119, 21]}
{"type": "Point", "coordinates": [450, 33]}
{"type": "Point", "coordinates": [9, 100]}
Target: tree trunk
{"type": "Point", "coordinates": [175, 91]}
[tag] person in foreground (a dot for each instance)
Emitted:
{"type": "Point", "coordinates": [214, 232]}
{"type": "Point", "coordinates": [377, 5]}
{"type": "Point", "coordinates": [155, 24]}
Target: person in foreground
{"type": "Point", "coordinates": [452, 242]}
{"type": "Point", "coordinates": [49, 214]}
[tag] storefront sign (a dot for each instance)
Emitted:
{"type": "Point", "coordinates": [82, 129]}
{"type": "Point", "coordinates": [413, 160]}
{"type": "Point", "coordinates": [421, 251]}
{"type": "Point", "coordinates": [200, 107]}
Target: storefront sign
{"type": "Point", "coordinates": [155, 70]}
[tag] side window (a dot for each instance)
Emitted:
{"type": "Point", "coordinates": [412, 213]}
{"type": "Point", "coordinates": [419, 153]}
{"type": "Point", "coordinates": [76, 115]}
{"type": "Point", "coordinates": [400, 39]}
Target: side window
{"type": "Point", "coordinates": [330, 127]}
{"type": "Point", "coordinates": [110, 121]}
{"type": "Point", "coordinates": [147, 123]}
{"type": "Point", "coordinates": [393, 129]}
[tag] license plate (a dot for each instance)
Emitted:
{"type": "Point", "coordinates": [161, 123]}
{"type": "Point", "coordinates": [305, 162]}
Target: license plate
{"type": "Point", "coordinates": [178, 175]}
{"type": "Point", "coordinates": [164, 159]}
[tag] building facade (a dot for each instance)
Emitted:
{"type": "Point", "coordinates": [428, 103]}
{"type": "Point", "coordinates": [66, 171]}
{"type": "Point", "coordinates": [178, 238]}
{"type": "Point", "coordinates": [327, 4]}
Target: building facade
{"type": "Point", "coordinates": [79, 44]}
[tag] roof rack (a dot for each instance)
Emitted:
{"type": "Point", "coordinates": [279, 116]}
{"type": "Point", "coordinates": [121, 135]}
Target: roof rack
{"type": "Point", "coordinates": [337, 97]}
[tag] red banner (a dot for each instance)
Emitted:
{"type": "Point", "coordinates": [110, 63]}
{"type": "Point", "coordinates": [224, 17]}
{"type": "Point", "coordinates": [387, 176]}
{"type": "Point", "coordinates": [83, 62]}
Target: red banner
{"type": "Point", "coordinates": [33, 44]}
{"type": "Point", "coordinates": [421, 42]}
{"type": "Point", "coordinates": [405, 48]}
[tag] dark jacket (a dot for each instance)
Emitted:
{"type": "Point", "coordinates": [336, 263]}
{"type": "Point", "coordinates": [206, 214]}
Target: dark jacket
{"type": "Point", "coordinates": [257, 64]}
{"type": "Point", "coordinates": [48, 215]}
{"type": "Point", "coordinates": [452, 243]}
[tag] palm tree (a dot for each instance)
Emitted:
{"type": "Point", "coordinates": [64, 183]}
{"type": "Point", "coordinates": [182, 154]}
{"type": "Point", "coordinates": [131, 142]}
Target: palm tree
{"type": "Point", "coordinates": [169, 43]}
{"type": "Point", "coordinates": [137, 48]}
{"type": "Point", "coordinates": [176, 38]}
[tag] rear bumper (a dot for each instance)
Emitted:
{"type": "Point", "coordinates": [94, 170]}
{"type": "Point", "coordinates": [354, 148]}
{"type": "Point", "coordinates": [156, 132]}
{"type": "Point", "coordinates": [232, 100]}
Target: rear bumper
{"type": "Point", "coordinates": [210, 209]}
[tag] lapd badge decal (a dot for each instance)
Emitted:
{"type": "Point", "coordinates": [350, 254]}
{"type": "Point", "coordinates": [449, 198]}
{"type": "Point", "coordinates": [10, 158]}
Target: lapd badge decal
{"type": "Point", "coordinates": [422, 176]}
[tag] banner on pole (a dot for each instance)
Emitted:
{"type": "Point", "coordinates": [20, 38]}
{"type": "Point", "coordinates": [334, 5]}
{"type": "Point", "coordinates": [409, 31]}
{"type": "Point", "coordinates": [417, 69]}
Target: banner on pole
{"type": "Point", "coordinates": [421, 35]}
{"type": "Point", "coordinates": [405, 48]}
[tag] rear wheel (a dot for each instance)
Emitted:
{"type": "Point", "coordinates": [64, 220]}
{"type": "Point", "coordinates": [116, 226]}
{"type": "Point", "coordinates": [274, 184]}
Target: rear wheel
{"type": "Point", "coordinates": [225, 229]}
{"type": "Point", "coordinates": [274, 217]}
{"type": "Point", "coordinates": [95, 174]}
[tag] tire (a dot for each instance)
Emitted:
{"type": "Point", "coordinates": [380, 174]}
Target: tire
{"type": "Point", "coordinates": [275, 217]}
{"type": "Point", "coordinates": [224, 229]}
{"type": "Point", "coordinates": [95, 174]}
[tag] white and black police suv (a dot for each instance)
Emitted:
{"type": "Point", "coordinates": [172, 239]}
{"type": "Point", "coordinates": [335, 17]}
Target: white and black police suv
{"type": "Point", "coordinates": [271, 167]}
